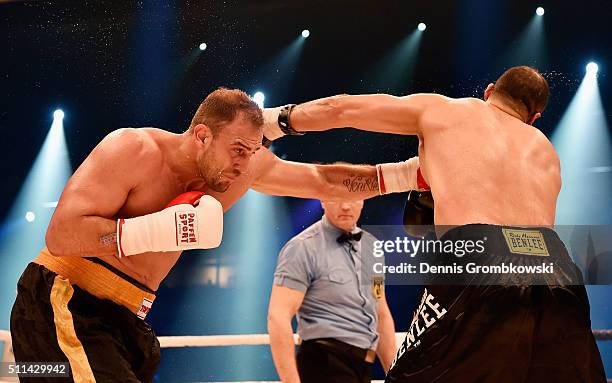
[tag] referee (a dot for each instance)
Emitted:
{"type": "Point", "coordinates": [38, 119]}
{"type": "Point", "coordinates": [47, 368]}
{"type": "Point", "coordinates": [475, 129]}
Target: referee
{"type": "Point", "coordinates": [343, 318]}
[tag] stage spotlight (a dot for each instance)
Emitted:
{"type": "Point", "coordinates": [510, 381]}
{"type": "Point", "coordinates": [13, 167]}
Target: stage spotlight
{"type": "Point", "coordinates": [422, 26]}
{"type": "Point", "coordinates": [592, 68]}
{"type": "Point", "coordinates": [203, 46]}
{"type": "Point", "coordinates": [395, 69]}
{"type": "Point", "coordinates": [22, 232]}
{"type": "Point", "coordinates": [529, 47]}
{"type": "Point", "coordinates": [259, 98]}
{"type": "Point", "coordinates": [30, 216]}
{"type": "Point", "coordinates": [582, 139]}
{"type": "Point", "coordinates": [305, 33]}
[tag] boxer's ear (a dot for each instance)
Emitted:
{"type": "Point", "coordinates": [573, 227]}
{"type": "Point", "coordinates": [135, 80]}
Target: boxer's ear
{"type": "Point", "coordinates": [489, 91]}
{"type": "Point", "coordinates": [203, 135]}
{"type": "Point", "coordinates": [535, 117]}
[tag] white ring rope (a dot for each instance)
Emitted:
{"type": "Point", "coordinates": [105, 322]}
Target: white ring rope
{"type": "Point", "coordinates": [243, 339]}
{"type": "Point", "coordinates": [216, 340]}
{"type": "Point", "coordinates": [261, 339]}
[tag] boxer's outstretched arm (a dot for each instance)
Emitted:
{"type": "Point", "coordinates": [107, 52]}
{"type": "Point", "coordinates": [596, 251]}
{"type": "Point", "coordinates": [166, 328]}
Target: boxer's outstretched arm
{"type": "Point", "coordinates": [333, 182]}
{"type": "Point", "coordinates": [371, 112]}
{"type": "Point", "coordinates": [84, 223]}
{"type": "Point", "coordinates": [326, 182]}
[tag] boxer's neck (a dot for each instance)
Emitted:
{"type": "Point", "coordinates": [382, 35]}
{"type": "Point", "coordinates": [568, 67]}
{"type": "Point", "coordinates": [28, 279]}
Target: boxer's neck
{"type": "Point", "coordinates": [181, 157]}
{"type": "Point", "coordinates": [505, 107]}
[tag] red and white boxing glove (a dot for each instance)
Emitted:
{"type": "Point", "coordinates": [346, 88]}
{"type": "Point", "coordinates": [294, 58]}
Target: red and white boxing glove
{"type": "Point", "coordinates": [401, 177]}
{"type": "Point", "coordinates": [191, 221]}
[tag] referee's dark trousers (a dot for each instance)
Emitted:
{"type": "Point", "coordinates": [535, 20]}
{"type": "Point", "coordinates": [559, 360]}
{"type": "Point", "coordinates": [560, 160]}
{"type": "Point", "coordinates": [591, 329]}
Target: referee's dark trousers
{"type": "Point", "coordinates": [332, 361]}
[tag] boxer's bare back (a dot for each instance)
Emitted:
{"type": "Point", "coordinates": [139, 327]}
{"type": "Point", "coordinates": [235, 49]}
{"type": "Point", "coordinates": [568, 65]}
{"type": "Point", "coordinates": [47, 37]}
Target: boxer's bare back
{"type": "Point", "coordinates": [486, 166]}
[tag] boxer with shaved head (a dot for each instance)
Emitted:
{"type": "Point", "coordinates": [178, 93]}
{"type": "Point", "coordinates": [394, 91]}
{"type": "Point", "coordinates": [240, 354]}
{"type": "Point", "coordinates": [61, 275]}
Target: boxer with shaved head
{"type": "Point", "coordinates": [494, 176]}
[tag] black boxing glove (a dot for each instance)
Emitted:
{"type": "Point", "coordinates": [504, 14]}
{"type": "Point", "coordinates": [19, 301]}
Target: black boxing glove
{"type": "Point", "coordinates": [419, 213]}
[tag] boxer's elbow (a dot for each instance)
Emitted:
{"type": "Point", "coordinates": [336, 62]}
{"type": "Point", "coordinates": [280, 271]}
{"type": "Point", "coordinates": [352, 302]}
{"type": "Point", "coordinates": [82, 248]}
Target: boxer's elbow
{"type": "Point", "coordinates": [54, 241]}
{"type": "Point", "coordinates": [340, 110]}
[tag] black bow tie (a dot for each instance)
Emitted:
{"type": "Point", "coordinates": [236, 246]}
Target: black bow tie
{"type": "Point", "coordinates": [345, 237]}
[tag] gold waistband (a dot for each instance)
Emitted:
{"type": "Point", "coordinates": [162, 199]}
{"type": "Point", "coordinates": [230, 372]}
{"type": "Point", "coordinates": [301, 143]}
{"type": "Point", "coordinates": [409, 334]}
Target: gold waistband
{"type": "Point", "coordinates": [98, 281]}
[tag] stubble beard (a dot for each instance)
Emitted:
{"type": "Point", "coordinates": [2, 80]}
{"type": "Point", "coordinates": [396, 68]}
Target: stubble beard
{"type": "Point", "coordinates": [212, 176]}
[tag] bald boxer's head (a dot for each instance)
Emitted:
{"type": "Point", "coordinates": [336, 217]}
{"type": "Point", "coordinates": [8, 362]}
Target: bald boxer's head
{"type": "Point", "coordinates": [227, 130]}
{"type": "Point", "coordinates": [343, 214]}
{"type": "Point", "coordinates": [522, 88]}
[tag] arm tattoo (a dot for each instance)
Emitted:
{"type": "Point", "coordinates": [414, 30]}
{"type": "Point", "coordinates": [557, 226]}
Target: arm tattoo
{"type": "Point", "coordinates": [108, 239]}
{"type": "Point", "coordinates": [355, 183]}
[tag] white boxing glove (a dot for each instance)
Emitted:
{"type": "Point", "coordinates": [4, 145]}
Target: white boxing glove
{"type": "Point", "coordinates": [400, 177]}
{"type": "Point", "coordinates": [191, 221]}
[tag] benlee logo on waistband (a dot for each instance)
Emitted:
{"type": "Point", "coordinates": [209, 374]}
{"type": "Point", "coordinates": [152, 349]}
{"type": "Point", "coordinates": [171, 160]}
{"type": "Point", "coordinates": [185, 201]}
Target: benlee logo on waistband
{"type": "Point", "coordinates": [428, 313]}
{"type": "Point", "coordinates": [526, 242]}
{"type": "Point", "coordinates": [186, 228]}
{"type": "Point", "coordinates": [145, 307]}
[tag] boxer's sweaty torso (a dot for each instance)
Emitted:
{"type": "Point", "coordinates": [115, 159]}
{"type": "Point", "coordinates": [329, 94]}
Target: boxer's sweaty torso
{"type": "Point", "coordinates": [486, 166]}
{"type": "Point", "coordinates": [151, 195]}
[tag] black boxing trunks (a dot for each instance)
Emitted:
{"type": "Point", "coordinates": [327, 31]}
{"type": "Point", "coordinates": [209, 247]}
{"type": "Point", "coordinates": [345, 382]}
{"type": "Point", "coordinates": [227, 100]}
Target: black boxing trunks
{"type": "Point", "coordinates": [507, 331]}
{"type": "Point", "coordinates": [85, 313]}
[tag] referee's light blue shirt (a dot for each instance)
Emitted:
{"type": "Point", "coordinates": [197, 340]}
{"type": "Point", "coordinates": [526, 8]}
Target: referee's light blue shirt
{"type": "Point", "coordinates": [338, 283]}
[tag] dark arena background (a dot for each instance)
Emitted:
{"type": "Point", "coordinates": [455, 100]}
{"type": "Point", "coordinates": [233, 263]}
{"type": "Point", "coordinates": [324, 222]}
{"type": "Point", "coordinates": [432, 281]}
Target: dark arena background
{"type": "Point", "coordinates": [73, 71]}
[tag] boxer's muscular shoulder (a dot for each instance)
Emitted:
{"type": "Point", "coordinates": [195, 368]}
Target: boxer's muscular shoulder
{"type": "Point", "coordinates": [538, 141]}
{"type": "Point", "coordinates": [136, 140]}
{"type": "Point", "coordinates": [123, 157]}
{"type": "Point", "coordinates": [130, 144]}
{"type": "Point", "coordinates": [464, 107]}
{"type": "Point", "coordinates": [446, 107]}
{"type": "Point", "coordinates": [545, 150]}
